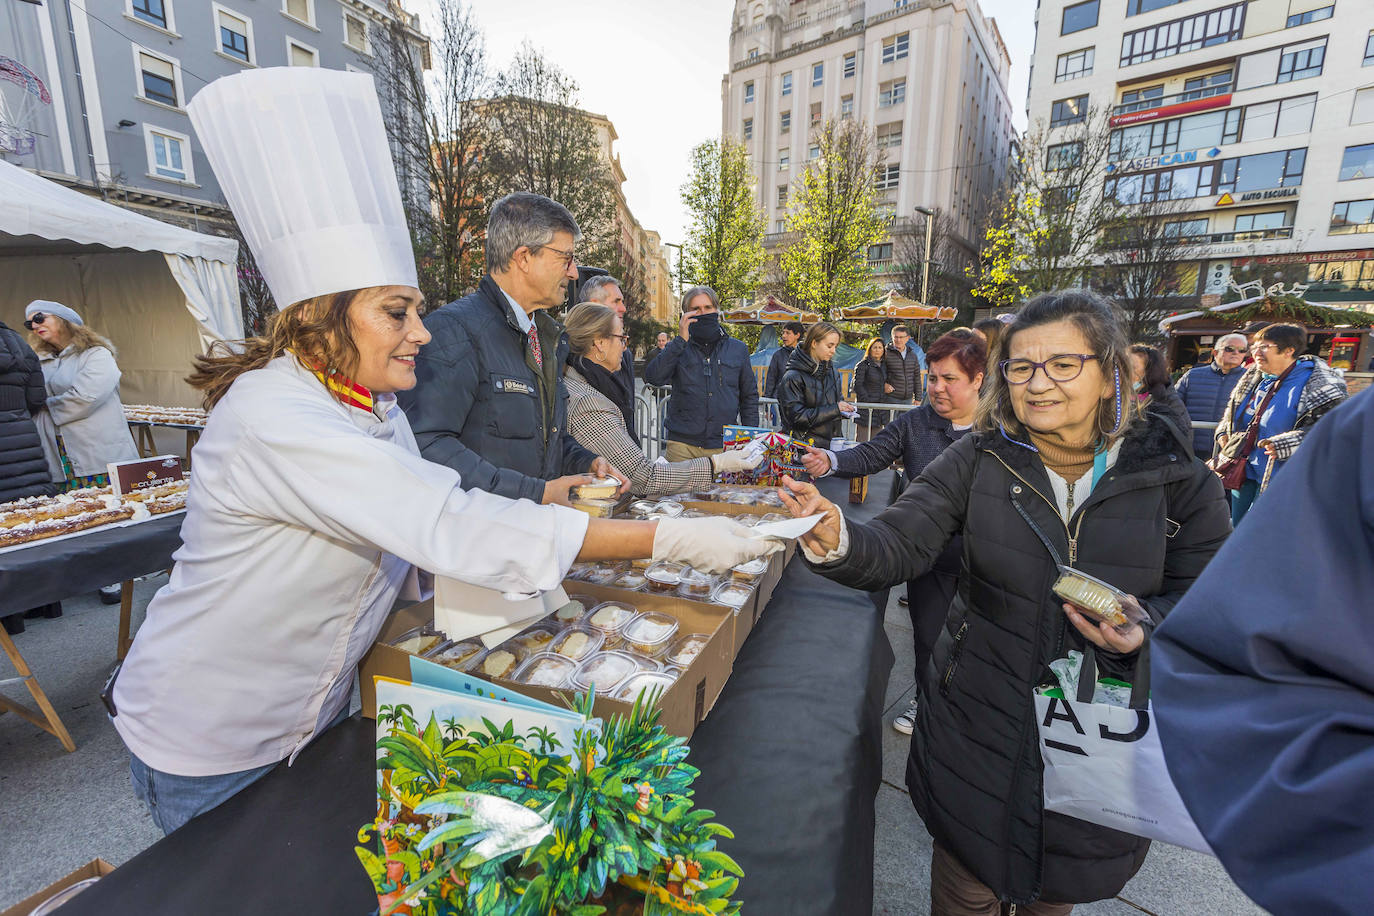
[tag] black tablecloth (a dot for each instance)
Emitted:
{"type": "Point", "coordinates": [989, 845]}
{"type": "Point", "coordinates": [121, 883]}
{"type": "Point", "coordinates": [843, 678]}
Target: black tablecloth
{"type": "Point", "coordinates": [47, 572]}
{"type": "Point", "coordinates": [790, 757]}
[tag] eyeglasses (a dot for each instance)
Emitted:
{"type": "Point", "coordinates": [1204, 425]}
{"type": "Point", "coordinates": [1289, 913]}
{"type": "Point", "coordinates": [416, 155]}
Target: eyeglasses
{"type": "Point", "coordinates": [1240, 350]}
{"type": "Point", "coordinates": [1063, 367]}
{"type": "Point", "coordinates": [38, 318]}
{"type": "Point", "coordinates": [569, 257]}
{"type": "Point", "coordinates": [1261, 347]}
{"type": "Point", "coordinates": [624, 338]}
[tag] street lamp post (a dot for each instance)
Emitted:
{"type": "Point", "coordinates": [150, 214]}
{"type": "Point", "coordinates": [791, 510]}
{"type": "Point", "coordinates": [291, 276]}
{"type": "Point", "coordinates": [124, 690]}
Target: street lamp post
{"type": "Point", "coordinates": [925, 265]}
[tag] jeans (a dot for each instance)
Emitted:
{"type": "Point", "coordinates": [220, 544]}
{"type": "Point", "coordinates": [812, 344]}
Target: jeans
{"type": "Point", "coordinates": [1242, 500]}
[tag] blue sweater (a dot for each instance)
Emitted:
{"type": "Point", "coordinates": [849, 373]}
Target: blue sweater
{"type": "Point", "coordinates": [1205, 391]}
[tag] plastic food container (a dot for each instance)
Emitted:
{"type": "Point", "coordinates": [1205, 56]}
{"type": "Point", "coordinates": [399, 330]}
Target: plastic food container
{"type": "Point", "coordinates": [740, 498]}
{"type": "Point", "coordinates": [748, 572]}
{"type": "Point", "coordinates": [650, 633]}
{"type": "Point", "coordinates": [642, 507]}
{"type": "Point", "coordinates": [745, 519]}
{"type": "Point", "coordinates": [633, 580]}
{"type": "Point", "coordinates": [600, 488]}
{"type": "Point", "coordinates": [499, 662]}
{"type": "Point", "coordinates": [418, 641]}
{"type": "Point", "coordinates": [666, 509]}
{"type": "Point", "coordinates": [768, 498]}
{"type": "Point", "coordinates": [578, 642]}
{"type": "Point", "coordinates": [609, 618]}
{"type": "Point", "coordinates": [693, 513]}
{"type": "Point", "coordinates": [603, 573]}
{"type": "Point", "coordinates": [642, 563]}
{"type": "Point", "coordinates": [597, 508]}
{"type": "Point", "coordinates": [672, 671]}
{"type": "Point", "coordinates": [457, 654]}
{"type": "Point", "coordinates": [1101, 600]}
{"type": "Point", "coordinates": [664, 577]}
{"type": "Point", "coordinates": [636, 684]}
{"type": "Point", "coordinates": [545, 670]}
{"type": "Point", "coordinates": [732, 594]}
{"type": "Point", "coordinates": [534, 639]}
{"type": "Point", "coordinates": [605, 670]}
{"type": "Point", "coordinates": [696, 584]}
{"type": "Point", "coordinates": [572, 612]}
{"type": "Point", "coordinates": [643, 662]}
{"type": "Point", "coordinates": [686, 649]}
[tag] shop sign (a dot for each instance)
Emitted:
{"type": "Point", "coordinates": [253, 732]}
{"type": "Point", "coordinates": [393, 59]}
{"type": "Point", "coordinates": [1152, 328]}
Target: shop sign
{"type": "Point", "coordinates": [1309, 257]}
{"type": "Point", "coordinates": [1271, 194]}
{"type": "Point", "coordinates": [1218, 276]}
{"type": "Point", "coordinates": [1170, 111]}
{"type": "Point", "coordinates": [1167, 159]}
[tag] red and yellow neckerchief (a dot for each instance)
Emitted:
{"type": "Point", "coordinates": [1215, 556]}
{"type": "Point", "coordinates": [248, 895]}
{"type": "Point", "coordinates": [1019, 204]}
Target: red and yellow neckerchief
{"type": "Point", "coordinates": [345, 389]}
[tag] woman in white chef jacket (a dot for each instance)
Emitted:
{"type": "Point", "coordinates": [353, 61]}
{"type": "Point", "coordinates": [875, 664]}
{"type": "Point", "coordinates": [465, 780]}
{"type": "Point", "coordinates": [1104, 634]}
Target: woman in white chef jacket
{"type": "Point", "coordinates": [310, 504]}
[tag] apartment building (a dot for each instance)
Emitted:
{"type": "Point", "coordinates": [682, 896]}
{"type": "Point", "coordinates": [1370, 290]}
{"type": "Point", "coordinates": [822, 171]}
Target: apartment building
{"type": "Point", "coordinates": [1258, 116]}
{"type": "Point", "coordinates": [929, 77]}
{"type": "Point", "coordinates": [93, 93]}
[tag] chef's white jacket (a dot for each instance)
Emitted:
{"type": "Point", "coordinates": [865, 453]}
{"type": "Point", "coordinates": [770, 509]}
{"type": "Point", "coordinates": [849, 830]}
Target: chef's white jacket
{"type": "Point", "coordinates": [305, 516]}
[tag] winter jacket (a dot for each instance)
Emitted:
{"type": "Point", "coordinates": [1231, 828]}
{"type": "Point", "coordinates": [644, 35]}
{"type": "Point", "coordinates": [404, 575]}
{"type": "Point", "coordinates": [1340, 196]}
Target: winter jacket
{"type": "Point", "coordinates": [1205, 391]}
{"type": "Point", "coordinates": [903, 374]}
{"type": "Point", "coordinates": [869, 379]}
{"type": "Point", "coordinates": [480, 404]}
{"type": "Point", "coordinates": [1323, 391]}
{"type": "Point", "coordinates": [23, 468]}
{"type": "Point", "coordinates": [1262, 686]}
{"type": "Point", "coordinates": [1149, 527]}
{"type": "Point", "coordinates": [712, 386]}
{"type": "Point", "coordinates": [777, 365]}
{"type": "Point", "coordinates": [1171, 405]}
{"type": "Point", "coordinates": [809, 399]}
{"type": "Point", "coordinates": [85, 410]}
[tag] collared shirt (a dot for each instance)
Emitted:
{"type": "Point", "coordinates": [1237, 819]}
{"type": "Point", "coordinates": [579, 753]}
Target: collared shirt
{"type": "Point", "coordinates": [522, 317]}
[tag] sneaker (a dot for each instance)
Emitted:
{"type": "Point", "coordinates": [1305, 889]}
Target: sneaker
{"type": "Point", "coordinates": [906, 722]}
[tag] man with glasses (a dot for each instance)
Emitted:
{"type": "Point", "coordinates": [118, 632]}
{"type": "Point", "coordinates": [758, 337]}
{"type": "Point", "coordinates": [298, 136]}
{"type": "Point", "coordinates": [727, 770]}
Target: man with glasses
{"type": "Point", "coordinates": [1206, 389]}
{"type": "Point", "coordinates": [489, 400]}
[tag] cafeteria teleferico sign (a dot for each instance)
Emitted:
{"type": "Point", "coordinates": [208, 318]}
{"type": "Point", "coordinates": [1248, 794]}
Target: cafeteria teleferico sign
{"type": "Point", "coordinates": [1164, 160]}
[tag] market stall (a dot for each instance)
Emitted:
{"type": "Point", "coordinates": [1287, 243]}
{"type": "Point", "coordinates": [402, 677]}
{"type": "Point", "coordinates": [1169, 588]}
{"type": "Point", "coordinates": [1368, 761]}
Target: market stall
{"type": "Point", "coordinates": [894, 308]}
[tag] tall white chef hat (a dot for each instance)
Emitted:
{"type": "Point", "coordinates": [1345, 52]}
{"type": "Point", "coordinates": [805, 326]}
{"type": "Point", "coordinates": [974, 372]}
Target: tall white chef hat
{"type": "Point", "coordinates": [302, 157]}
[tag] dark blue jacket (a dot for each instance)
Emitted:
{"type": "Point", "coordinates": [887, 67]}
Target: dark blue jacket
{"type": "Point", "coordinates": [1205, 391]}
{"type": "Point", "coordinates": [1263, 688]}
{"type": "Point", "coordinates": [23, 469]}
{"type": "Point", "coordinates": [777, 365]}
{"type": "Point", "coordinates": [481, 407]}
{"type": "Point", "coordinates": [712, 386]}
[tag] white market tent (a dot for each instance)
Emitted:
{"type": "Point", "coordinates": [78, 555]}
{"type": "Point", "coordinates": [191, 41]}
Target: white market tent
{"type": "Point", "coordinates": [160, 293]}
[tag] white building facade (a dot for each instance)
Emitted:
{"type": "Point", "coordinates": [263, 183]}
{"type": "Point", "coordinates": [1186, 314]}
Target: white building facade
{"type": "Point", "coordinates": [929, 77]}
{"type": "Point", "coordinates": [1258, 115]}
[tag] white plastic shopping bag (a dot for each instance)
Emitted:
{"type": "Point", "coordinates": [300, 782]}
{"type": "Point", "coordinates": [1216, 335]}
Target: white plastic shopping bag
{"type": "Point", "coordinates": [1104, 764]}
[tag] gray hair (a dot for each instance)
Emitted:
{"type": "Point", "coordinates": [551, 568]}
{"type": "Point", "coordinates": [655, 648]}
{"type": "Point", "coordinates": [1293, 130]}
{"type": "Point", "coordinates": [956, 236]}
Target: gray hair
{"type": "Point", "coordinates": [695, 291]}
{"type": "Point", "coordinates": [524, 220]}
{"type": "Point", "coordinates": [594, 285]}
{"type": "Point", "coordinates": [1221, 341]}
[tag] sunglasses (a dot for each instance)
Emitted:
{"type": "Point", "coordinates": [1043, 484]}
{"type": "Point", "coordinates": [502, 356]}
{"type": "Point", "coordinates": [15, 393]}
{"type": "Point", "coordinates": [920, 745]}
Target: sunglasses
{"type": "Point", "coordinates": [1233, 349]}
{"type": "Point", "coordinates": [38, 318]}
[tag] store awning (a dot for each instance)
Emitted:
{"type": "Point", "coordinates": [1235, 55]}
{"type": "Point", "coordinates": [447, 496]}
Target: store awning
{"type": "Point", "coordinates": [770, 310]}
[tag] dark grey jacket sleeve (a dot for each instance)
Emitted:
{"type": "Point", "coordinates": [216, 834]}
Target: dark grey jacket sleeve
{"type": "Point", "coordinates": [439, 405]}
{"type": "Point", "coordinates": [872, 456]}
{"type": "Point", "coordinates": [660, 370]}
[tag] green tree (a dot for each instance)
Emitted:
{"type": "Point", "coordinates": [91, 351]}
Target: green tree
{"type": "Point", "coordinates": [724, 247]}
{"type": "Point", "coordinates": [834, 219]}
{"type": "Point", "coordinates": [998, 276]}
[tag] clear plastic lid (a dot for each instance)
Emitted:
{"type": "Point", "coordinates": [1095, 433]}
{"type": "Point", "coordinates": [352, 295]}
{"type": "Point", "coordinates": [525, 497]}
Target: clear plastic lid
{"type": "Point", "coordinates": [633, 580]}
{"type": "Point", "coordinates": [1102, 600]}
{"type": "Point", "coordinates": [457, 654]}
{"type": "Point", "coordinates": [665, 576]}
{"type": "Point", "coordinates": [604, 670]}
{"type": "Point", "coordinates": [534, 639]}
{"type": "Point", "coordinates": [686, 649]}
{"type": "Point", "coordinates": [577, 642]}
{"type": "Point", "coordinates": [732, 594]}
{"type": "Point", "coordinates": [642, 661]}
{"type": "Point", "coordinates": [499, 662]}
{"type": "Point", "coordinates": [693, 513]}
{"type": "Point", "coordinates": [572, 612]}
{"type": "Point", "coordinates": [603, 573]}
{"type": "Point", "coordinates": [747, 520]}
{"type": "Point", "coordinates": [751, 568]}
{"type": "Point", "coordinates": [696, 584]}
{"type": "Point", "coordinates": [545, 670]}
{"type": "Point", "coordinates": [650, 632]}
{"type": "Point", "coordinates": [666, 509]}
{"type": "Point", "coordinates": [610, 617]}
{"type": "Point", "coordinates": [768, 497]}
{"type": "Point", "coordinates": [636, 684]}
{"type": "Point", "coordinates": [672, 671]}
{"type": "Point", "coordinates": [419, 640]}
{"type": "Point", "coordinates": [642, 507]}
{"type": "Point", "coordinates": [597, 508]}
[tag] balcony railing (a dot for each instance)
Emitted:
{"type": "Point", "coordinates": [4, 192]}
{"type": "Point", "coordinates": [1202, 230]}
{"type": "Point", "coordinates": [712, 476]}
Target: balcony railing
{"type": "Point", "coordinates": [1244, 235]}
{"type": "Point", "coordinates": [1163, 101]}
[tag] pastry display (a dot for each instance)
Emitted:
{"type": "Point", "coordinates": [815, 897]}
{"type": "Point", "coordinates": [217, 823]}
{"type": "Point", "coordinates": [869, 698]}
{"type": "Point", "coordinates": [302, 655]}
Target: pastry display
{"type": "Point", "coordinates": [633, 580]}
{"type": "Point", "coordinates": [605, 671]}
{"type": "Point", "coordinates": [597, 508]}
{"type": "Point", "coordinates": [164, 416]}
{"type": "Point", "coordinates": [696, 584]}
{"type": "Point", "coordinates": [1099, 599]}
{"type": "Point", "coordinates": [664, 577]}
{"type": "Point", "coordinates": [732, 594]}
{"type": "Point", "coordinates": [545, 670]}
{"type": "Point", "coordinates": [636, 684]}
{"type": "Point", "coordinates": [498, 663]}
{"type": "Point", "coordinates": [686, 649]}
{"type": "Point", "coordinates": [650, 633]}
{"type": "Point", "coordinates": [600, 488]}
{"type": "Point", "coordinates": [164, 504]}
{"type": "Point", "coordinates": [39, 517]}
{"type": "Point", "coordinates": [25, 532]}
{"type": "Point", "coordinates": [577, 642]}
{"type": "Point", "coordinates": [609, 618]}
{"type": "Point", "coordinates": [456, 655]}
{"type": "Point", "coordinates": [417, 641]}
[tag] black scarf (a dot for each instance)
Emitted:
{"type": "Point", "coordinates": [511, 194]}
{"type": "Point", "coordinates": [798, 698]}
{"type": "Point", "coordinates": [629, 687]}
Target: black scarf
{"type": "Point", "coordinates": [610, 384]}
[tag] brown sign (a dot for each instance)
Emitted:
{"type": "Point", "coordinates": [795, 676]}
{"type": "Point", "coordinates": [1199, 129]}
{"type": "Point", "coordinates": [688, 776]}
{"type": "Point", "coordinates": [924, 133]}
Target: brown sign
{"type": "Point", "coordinates": [1309, 257]}
{"type": "Point", "coordinates": [128, 476]}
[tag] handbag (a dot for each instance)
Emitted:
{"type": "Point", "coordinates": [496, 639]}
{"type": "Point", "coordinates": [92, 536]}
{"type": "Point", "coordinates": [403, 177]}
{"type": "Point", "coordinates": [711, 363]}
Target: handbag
{"type": "Point", "coordinates": [1230, 461]}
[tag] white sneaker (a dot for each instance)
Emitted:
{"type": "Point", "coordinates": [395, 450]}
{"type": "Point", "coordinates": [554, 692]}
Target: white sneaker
{"type": "Point", "coordinates": [906, 722]}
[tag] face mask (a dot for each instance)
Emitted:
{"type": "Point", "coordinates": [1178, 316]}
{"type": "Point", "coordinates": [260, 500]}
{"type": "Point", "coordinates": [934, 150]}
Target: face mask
{"type": "Point", "coordinates": [705, 329]}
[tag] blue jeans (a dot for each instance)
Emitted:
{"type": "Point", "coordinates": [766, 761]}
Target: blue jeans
{"type": "Point", "coordinates": [1242, 500]}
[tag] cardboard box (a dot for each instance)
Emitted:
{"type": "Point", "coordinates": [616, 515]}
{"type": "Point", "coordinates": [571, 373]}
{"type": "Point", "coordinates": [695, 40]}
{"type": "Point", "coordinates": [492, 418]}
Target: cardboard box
{"type": "Point", "coordinates": [712, 507]}
{"type": "Point", "coordinates": [683, 705]}
{"type": "Point", "coordinates": [96, 868]}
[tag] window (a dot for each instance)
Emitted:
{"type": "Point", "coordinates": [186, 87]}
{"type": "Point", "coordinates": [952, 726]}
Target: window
{"type": "Point", "coordinates": [1136, 7]}
{"type": "Point", "coordinates": [1363, 110]}
{"type": "Point", "coordinates": [787, 84]}
{"type": "Point", "coordinates": [748, 130]}
{"type": "Point", "coordinates": [158, 78]}
{"type": "Point", "coordinates": [896, 48]}
{"type": "Point", "coordinates": [1239, 176]}
{"type": "Point", "coordinates": [780, 225]}
{"type": "Point", "coordinates": [1351, 216]}
{"type": "Point", "coordinates": [815, 113]}
{"type": "Point", "coordinates": [880, 253]}
{"type": "Point", "coordinates": [784, 160]}
{"type": "Point", "coordinates": [887, 177]}
{"type": "Point", "coordinates": [782, 195]}
{"type": "Point", "coordinates": [1073, 65]}
{"type": "Point", "coordinates": [1358, 162]}
{"type": "Point", "coordinates": [753, 53]}
{"type": "Point", "coordinates": [355, 32]}
{"type": "Point", "coordinates": [1203, 87]}
{"type": "Point", "coordinates": [1299, 65]}
{"type": "Point", "coordinates": [301, 55]}
{"type": "Point", "coordinates": [851, 65]}
{"type": "Point", "coordinates": [890, 135]}
{"type": "Point", "coordinates": [1078, 17]}
{"type": "Point", "coordinates": [300, 10]}
{"type": "Point", "coordinates": [234, 34]}
{"type": "Point", "coordinates": [785, 122]}
{"type": "Point", "coordinates": [1257, 222]}
{"type": "Point", "coordinates": [1063, 155]}
{"type": "Point", "coordinates": [813, 152]}
{"type": "Point", "coordinates": [1310, 16]}
{"type": "Point", "coordinates": [846, 107]}
{"type": "Point", "coordinates": [749, 92]}
{"type": "Point", "coordinates": [1069, 111]}
{"type": "Point", "coordinates": [892, 93]}
{"type": "Point", "coordinates": [1185, 228]}
{"type": "Point", "coordinates": [1369, 50]}
{"type": "Point", "coordinates": [1202, 30]}
{"type": "Point", "coordinates": [1279, 119]}
{"type": "Point", "coordinates": [817, 74]}
{"type": "Point", "coordinates": [169, 154]}
{"type": "Point", "coordinates": [153, 12]}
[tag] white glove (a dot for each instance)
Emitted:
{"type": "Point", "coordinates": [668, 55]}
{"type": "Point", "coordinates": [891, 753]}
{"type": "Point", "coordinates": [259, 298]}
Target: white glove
{"type": "Point", "coordinates": [736, 460]}
{"type": "Point", "coordinates": [713, 544]}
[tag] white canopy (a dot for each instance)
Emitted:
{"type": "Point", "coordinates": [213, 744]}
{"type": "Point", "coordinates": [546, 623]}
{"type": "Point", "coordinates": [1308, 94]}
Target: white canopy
{"type": "Point", "coordinates": [160, 293]}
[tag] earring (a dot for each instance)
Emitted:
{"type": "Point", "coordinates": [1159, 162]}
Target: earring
{"type": "Point", "coordinates": [1116, 371]}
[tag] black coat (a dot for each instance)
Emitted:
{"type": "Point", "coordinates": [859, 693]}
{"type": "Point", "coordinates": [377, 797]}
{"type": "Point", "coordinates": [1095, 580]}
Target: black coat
{"type": "Point", "coordinates": [23, 469]}
{"type": "Point", "coordinates": [480, 405]}
{"type": "Point", "coordinates": [777, 365]}
{"type": "Point", "coordinates": [869, 379]}
{"type": "Point", "coordinates": [975, 767]}
{"type": "Point", "coordinates": [712, 386]}
{"type": "Point", "coordinates": [809, 399]}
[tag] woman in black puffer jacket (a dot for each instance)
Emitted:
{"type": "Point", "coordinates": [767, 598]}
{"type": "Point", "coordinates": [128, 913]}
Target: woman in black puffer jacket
{"type": "Point", "coordinates": [1060, 467]}
{"type": "Point", "coordinates": [23, 469]}
{"type": "Point", "coordinates": [809, 393]}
